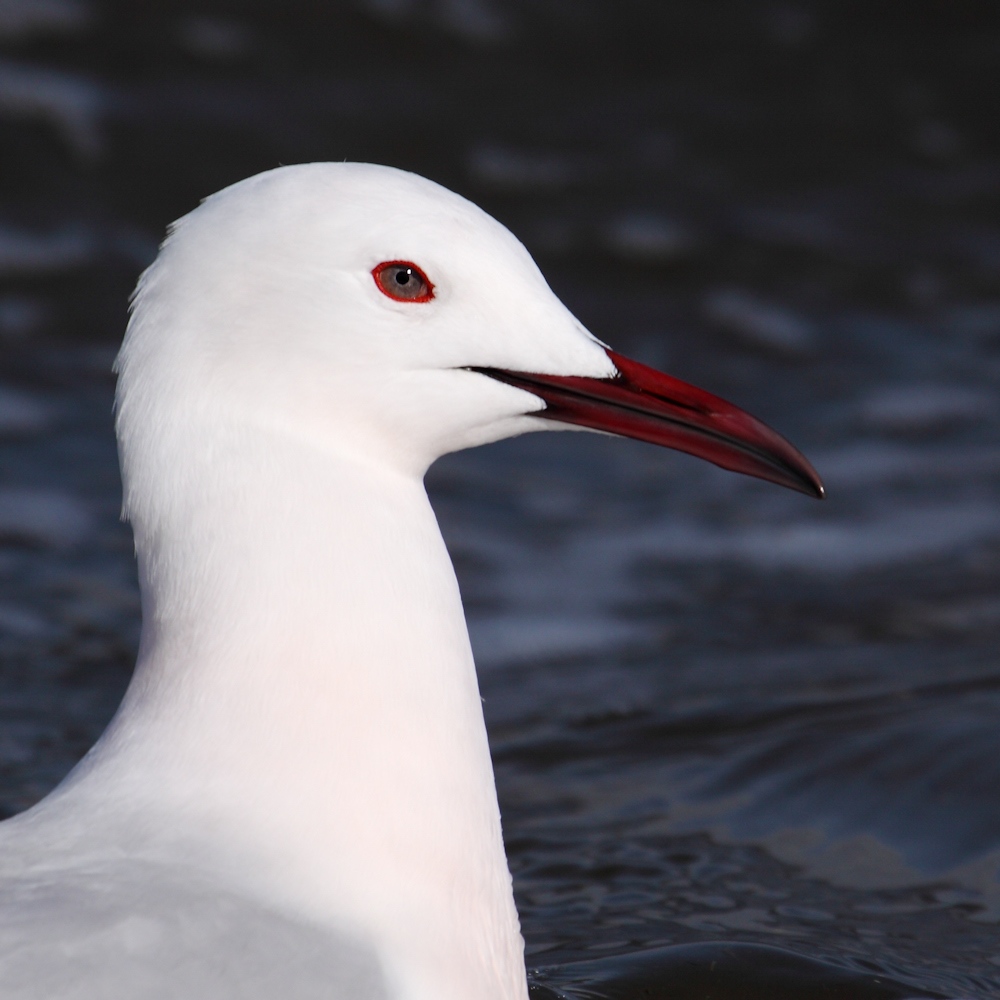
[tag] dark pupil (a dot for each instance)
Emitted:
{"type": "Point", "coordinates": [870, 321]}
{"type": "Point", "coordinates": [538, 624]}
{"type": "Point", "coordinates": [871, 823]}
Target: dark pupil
{"type": "Point", "coordinates": [403, 277]}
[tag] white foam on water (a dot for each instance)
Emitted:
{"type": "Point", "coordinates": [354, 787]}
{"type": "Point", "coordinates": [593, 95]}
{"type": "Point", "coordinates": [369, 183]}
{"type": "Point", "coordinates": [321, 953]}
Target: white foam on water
{"type": "Point", "coordinates": [759, 324]}
{"type": "Point", "coordinates": [879, 463]}
{"type": "Point", "coordinates": [21, 622]}
{"type": "Point", "coordinates": [20, 317]}
{"type": "Point", "coordinates": [509, 639]}
{"type": "Point", "coordinates": [927, 407]}
{"type": "Point", "coordinates": [22, 413]}
{"type": "Point", "coordinates": [71, 104]}
{"type": "Point", "coordinates": [42, 516]}
{"type": "Point", "coordinates": [897, 536]}
{"type": "Point", "coordinates": [215, 38]}
{"type": "Point", "coordinates": [512, 169]}
{"type": "Point", "coordinates": [20, 19]}
{"type": "Point", "coordinates": [648, 236]}
{"type": "Point", "coordinates": [474, 20]}
{"type": "Point", "coordinates": [23, 252]}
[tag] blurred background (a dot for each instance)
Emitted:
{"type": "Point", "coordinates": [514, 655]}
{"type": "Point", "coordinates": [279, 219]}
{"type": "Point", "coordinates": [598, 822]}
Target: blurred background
{"type": "Point", "coordinates": [718, 711]}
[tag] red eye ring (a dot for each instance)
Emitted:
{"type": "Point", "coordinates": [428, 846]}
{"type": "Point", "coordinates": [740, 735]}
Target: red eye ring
{"type": "Point", "coordinates": [402, 281]}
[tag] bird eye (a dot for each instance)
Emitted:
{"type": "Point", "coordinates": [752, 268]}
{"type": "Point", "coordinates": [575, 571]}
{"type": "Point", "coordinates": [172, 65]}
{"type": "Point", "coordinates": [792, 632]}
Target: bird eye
{"type": "Point", "coordinates": [403, 281]}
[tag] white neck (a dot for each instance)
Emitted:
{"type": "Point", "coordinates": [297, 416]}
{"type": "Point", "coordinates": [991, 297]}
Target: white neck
{"type": "Point", "coordinates": [305, 684]}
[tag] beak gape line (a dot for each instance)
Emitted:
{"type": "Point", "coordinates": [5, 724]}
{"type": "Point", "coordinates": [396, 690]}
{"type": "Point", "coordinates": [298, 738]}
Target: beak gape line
{"type": "Point", "coordinates": [643, 403]}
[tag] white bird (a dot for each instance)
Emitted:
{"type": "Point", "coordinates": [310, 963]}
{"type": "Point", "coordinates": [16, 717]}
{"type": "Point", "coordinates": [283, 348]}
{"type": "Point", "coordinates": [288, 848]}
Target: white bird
{"type": "Point", "coordinates": [296, 799]}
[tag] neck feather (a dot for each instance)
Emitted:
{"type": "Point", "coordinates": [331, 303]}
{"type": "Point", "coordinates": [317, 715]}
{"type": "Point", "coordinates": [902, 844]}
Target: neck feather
{"type": "Point", "coordinates": [305, 686]}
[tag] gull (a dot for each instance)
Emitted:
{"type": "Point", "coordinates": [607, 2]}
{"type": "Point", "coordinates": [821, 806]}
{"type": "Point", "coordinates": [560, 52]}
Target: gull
{"type": "Point", "coordinates": [295, 798]}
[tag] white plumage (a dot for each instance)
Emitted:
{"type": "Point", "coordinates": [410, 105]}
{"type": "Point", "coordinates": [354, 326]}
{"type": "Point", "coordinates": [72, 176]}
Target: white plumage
{"type": "Point", "coordinates": [296, 798]}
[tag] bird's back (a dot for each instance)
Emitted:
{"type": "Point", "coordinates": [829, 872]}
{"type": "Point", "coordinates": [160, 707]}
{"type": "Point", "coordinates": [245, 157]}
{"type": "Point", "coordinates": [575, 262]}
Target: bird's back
{"type": "Point", "coordinates": [107, 924]}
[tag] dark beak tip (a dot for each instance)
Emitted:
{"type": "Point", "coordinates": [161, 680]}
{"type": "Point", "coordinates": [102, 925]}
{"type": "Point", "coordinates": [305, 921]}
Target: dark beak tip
{"type": "Point", "coordinates": [812, 485]}
{"type": "Point", "coordinates": [807, 480]}
{"type": "Point", "coordinates": [804, 479]}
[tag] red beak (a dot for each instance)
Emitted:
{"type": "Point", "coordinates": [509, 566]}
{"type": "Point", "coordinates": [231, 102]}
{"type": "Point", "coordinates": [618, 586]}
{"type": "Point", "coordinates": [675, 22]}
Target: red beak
{"type": "Point", "coordinates": [640, 402]}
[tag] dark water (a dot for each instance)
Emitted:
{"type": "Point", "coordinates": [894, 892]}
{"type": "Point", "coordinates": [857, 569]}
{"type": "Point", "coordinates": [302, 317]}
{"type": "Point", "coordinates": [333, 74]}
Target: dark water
{"type": "Point", "coordinates": [747, 745]}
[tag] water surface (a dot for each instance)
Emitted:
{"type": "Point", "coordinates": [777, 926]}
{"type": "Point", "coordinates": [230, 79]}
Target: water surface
{"type": "Point", "coordinates": [738, 734]}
